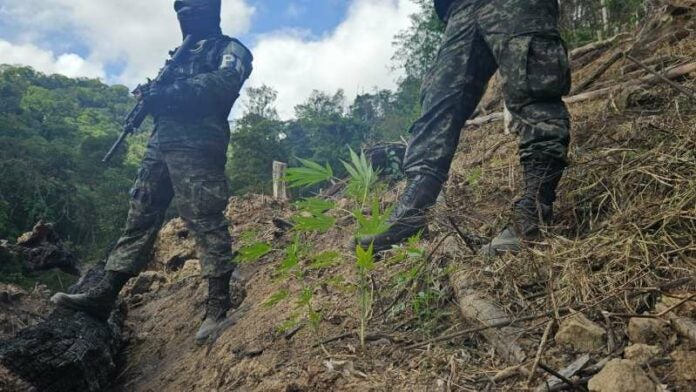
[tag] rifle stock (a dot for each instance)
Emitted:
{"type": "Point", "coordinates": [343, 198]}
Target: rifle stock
{"type": "Point", "coordinates": [140, 111]}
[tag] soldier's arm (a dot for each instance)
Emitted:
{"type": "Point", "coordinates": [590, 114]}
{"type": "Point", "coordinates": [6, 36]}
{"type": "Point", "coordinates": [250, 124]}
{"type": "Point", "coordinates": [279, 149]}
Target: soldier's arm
{"type": "Point", "coordinates": [220, 85]}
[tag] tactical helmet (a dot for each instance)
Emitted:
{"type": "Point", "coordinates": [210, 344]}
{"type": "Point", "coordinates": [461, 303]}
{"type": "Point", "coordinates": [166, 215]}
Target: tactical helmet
{"type": "Point", "coordinates": [200, 18]}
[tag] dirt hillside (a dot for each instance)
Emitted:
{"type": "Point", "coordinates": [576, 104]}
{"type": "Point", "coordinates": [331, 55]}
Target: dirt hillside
{"type": "Point", "coordinates": [607, 299]}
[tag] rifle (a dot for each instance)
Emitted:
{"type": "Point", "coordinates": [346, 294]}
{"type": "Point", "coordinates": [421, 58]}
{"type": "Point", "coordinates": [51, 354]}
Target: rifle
{"type": "Point", "coordinates": [137, 115]}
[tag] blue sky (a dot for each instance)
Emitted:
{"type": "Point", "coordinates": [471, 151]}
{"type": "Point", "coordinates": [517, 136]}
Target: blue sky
{"type": "Point", "coordinates": [315, 16]}
{"type": "Point", "coordinates": [298, 45]}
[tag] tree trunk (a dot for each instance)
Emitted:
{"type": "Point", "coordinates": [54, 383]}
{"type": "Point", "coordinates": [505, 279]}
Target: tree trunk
{"type": "Point", "coordinates": [69, 351]}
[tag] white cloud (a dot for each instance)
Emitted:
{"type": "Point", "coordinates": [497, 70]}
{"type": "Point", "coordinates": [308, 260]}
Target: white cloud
{"type": "Point", "coordinates": [133, 36]}
{"type": "Point", "coordinates": [135, 33]}
{"type": "Point", "coordinates": [68, 64]}
{"type": "Point", "coordinates": [354, 57]}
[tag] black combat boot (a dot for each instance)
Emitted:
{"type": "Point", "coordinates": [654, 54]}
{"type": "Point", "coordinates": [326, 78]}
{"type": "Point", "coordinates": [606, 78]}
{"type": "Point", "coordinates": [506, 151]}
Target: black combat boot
{"type": "Point", "coordinates": [99, 300]}
{"type": "Point", "coordinates": [408, 217]}
{"type": "Point", "coordinates": [533, 210]}
{"type": "Point", "coordinates": [217, 305]}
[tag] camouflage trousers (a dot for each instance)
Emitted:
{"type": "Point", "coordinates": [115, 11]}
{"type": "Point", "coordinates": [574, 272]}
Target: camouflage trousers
{"type": "Point", "coordinates": [521, 39]}
{"type": "Point", "coordinates": [194, 171]}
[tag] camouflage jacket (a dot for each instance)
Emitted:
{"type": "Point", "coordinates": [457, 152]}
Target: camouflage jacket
{"type": "Point", "coordinates": [208, 82]}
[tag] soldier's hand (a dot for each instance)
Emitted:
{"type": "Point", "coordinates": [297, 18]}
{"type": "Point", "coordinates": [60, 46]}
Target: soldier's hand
{"type": "Point", "coordinates": [158, 97]}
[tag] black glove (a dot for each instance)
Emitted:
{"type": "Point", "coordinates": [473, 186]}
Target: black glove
{"type": "Point", "coordinates": [160, 98]}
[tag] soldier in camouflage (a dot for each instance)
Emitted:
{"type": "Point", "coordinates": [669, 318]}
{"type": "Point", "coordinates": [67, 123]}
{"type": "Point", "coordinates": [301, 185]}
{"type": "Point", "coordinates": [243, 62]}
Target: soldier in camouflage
{"type": "Point", "coordinates": [186, 157]}
{"type": "Point", "coordinates": [520, 38]}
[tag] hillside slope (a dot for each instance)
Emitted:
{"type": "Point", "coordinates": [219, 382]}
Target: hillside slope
{"type": "Point", "coordinates": [623, 244]}
{"type": "Point", "coordinates": [606, 299]}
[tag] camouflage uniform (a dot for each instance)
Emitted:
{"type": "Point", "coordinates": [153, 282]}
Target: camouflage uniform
{"type": "Point", "coordinates": [521, 39]}
{"type": "Point", "coordinates": [186, 157]}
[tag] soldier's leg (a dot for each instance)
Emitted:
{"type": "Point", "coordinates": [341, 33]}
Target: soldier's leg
{"type": "Point", "coordinates": [198, 175]}
{"type": "Point", "coordinates": [197, 170]}
{"type": "Point", "coordinates": [150, 197]}
{"type": "Point", "coordinates": [449, 95]}
{"type": "Point", "coordinates": [534, 66]}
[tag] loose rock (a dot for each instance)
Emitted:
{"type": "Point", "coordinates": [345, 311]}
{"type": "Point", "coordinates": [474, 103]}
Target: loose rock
{"type": "Point", "coordinates": [147, 281]}
{"type": "Point", "coordinates": [175, 244]}
{"type": "Point", "coordinates": [641, 353]}
{"type": "Point", "coordinates": [647, 330]}
{"type": "Point", "coordinates": [685, 365]}
{"type": "Point", "coordinates": [581, 333]}
{"type": "Point", "coordinates": [190, 268]}
{"type": "Point", "coordinates": [621, 375]}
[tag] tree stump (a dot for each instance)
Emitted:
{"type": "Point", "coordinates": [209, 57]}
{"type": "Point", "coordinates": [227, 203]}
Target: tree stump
{"type": "Point", "coordinates": [279, 188]}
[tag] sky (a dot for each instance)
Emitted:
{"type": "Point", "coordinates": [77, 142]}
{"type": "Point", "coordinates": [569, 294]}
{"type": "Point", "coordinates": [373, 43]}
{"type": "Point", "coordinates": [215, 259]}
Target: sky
{"type": "Point", "coordinates": [298, 45]}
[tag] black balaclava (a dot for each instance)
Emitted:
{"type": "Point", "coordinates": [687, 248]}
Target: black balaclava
{"type": "Point", "coordinates": [200, 18]}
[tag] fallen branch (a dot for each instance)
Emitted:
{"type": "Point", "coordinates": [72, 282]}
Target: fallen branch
{"type": "Point", "coordinates": [682, 325]}
{"type": "Point", "coordinates": [493, 117]}
{"type": "Point", "coordinates": [499, 324]}
{"type": "Point", "coordinates": [598, 72]}
{"type": "Point", "coordinates": [577, 52]}
{"type": "Point", "coordinates": [540, 350]}
{"type": "Point", "coordinates": [672, 73]}
{"type": "Point", "coordinates": [565, 373]}
{"type": "Point", "coordinates": [475, 307]}
{"type": "Point", "coordinates": [488, 153]}
{"type": "Point", "coordinates": [370, 337]}
{"type": "Point", "coordinates": [675, 85]}
{"type": "Point", "coordinates": [562, 311]}
{"type": "Point", "coordinates": [507, 373]}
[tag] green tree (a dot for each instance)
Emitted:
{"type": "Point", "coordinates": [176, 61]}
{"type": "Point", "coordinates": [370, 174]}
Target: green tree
{"type": "Point", "coordinates": [256, 143]}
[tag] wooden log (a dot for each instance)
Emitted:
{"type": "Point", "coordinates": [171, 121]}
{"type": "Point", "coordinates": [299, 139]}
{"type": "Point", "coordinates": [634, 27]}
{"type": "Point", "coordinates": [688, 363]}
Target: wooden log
{"type": "Point", "coordinates": [578, 52]}
{"type": "Point", "coordinates": [69, 351]}
{"type": "Point", "coordinates": [477, 308]}
{"type": "Point", "coordinates": [585, 59]}
{"type": "Point", "coordinates": [657, 61]}
{"type": "Point", "coordinates": [684, 326]}
{"type": "Point", "coordinates": [41, 249]}
{"type": "Point", "coordinates": [598, 72]}
{"type": "Point", "coordinates": [673, 84]}
{"type": "Point", "coordinates": [672, 73]}
{"type": "Point", "coordinates": [493, 117]}
{"type": "Point", "coordinates": [567, 372]}
{"type": "Point", "coordinates": [279, 188]}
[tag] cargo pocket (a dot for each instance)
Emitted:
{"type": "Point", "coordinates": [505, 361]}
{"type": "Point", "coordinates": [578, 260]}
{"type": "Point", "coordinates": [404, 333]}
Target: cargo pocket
{"type": "Point", "coordinates": [547, 68]}
{"type": "Point", "coordinates": [138, 193]}
{"type": "Point", "coordinates": [209, 197]}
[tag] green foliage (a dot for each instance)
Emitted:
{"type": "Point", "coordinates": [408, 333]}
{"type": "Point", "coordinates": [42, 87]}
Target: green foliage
{"type": "Point", "coordinates": [376, 223]}
{"type": "Point", "coordinates": [315, 205]}
{"type": "Point", "coordinates": [312, 217]}
{"type": "Point", "coordinates": [251, 253]}
{"type": "Point", "coordinates": [291, 261]}
{"type": "Point", "coordinates": [365, 262]}
{"type": "Point", "coordinates": [474, 176]}
{"type": "Point", "coordinates": [323, 260]}
{"type": "Point", "coordinates": [362, 176]}
{"type": "Point", "coordinates": [365, 259]}
{"type": "Point", "coordinates": [416, 47]}
{"type": "Point", "coordinates": [53, 134]}
{"type": "Point", "coordinates": [311, 173]}
{"type": "Point", "coordinates": [276, 298]}
{"type": "Point", "coordinates": [318, 223]}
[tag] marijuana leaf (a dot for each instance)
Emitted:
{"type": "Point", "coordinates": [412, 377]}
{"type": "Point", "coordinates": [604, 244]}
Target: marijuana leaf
{"type": "Point", "coordinates": [311, 173]}
{"type": "Point", "coordinates": [253, 252]}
